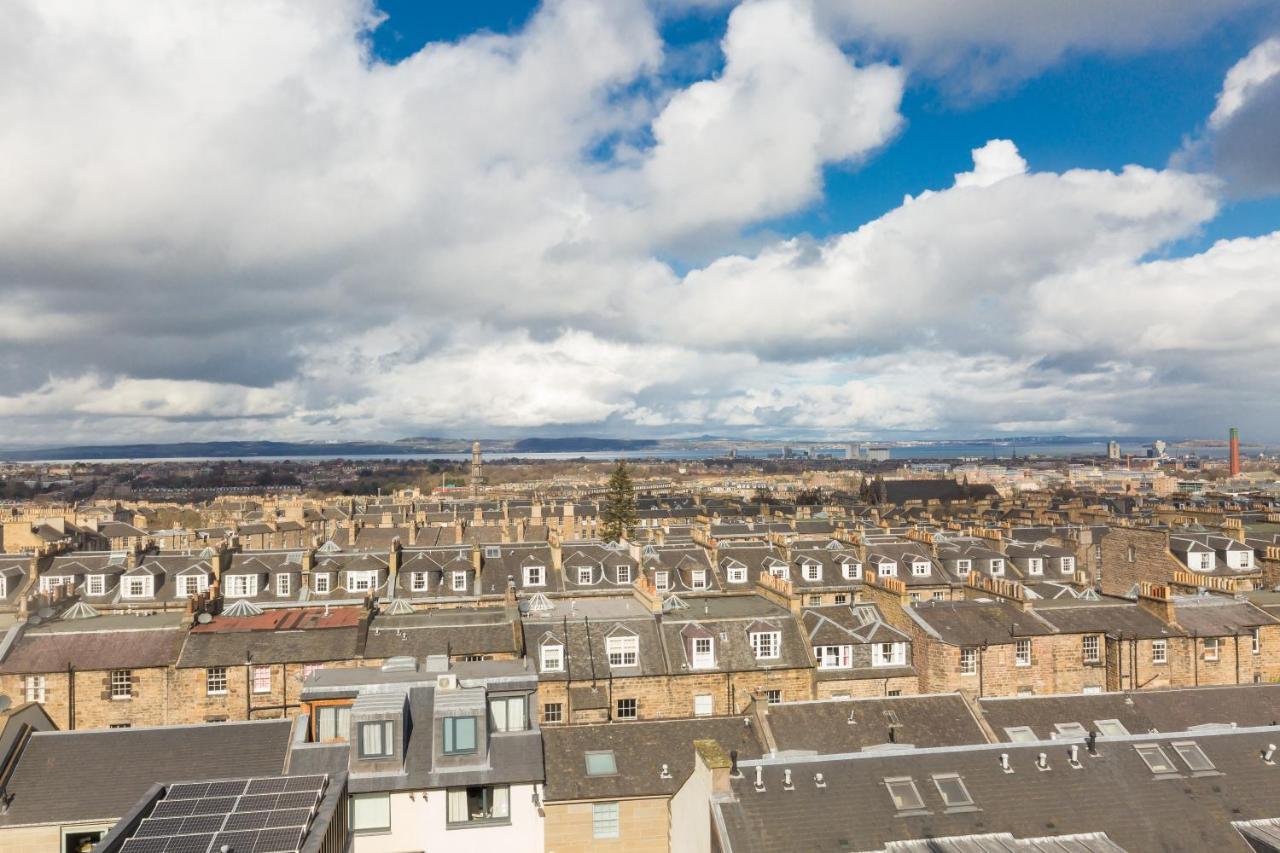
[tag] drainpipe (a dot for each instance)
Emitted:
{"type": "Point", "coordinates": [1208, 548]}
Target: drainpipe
{"type": "Point", "coordinates": [71, 697]}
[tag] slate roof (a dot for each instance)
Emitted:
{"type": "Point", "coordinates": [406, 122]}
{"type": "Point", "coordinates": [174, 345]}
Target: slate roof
{"type": "Point", "coordinates": [1074, 616]}
{"type": "Point", "coordinates": [970, 623]}
{"type": "Point", "coordinates": [1216, 615]}
{"type": "Point", "coordinates": [99, 774]}
{"type": "Point", "coordinates": [850, 725]}
{"type": "Point", "coordinates": [120, 642]}
{"type": "Point", "coordinates": [452, 631]}
{"type": "Point", "coordinates": [640, 750]}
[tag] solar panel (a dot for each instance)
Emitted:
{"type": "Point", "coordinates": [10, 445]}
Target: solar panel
{"type": "Point", "coordinates": [175, 808]}
{"type": "Point", "coordinates": [278, 841]}
{"type": "Point", "coordinates": [227, 789]}
{"type": "Point", "coordinates": [145, 845]}
{"type": "Point", "coordinates": [257, 803]}
{"type": "Point", "coordinates": [267, 786]}
{"type": "Point", "coordinates": [299, 800]}
{"type": "Point", "coordinates": [201, 823]}
{"type": "Point", "coordinates": [289, 817]}
{"type": "Point", "coordinates": [240, 842]}
{"type": "Point", "coordinates": [189, 843]}
{"type": "Point", "coordinates": [305, 783]}
{"type": "Point", "coordinates": [214, 805]}
{"type": "Point", "coordinates": [158, 826]}
{"type": "Point", "coordinates": [187, 791]}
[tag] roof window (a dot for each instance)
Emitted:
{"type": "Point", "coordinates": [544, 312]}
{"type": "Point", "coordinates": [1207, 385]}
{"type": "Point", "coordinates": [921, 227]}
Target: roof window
{"type": "Point", "coordinates": [601, 763]}
{"type": "Point", "coordinates": [954, 793]}
{"type": "Point", "coordinates": [1157, 762]}
{"type": "Point", "coordinates": [1111, 728]}
{"type": "Point", "coordinates": [906, 797]}
{"type": "Point", "coordinates": [1190, 752]}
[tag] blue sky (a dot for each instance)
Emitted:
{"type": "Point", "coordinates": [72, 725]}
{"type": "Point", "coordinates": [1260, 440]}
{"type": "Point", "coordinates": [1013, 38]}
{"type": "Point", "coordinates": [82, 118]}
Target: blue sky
{"type": "Point", "coordinates": [830, 219]}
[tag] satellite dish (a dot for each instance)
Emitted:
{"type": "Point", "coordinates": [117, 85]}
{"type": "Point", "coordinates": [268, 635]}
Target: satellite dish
{"type": "Point", "coordinates": [34, 620]}
{"type": "Point", "coordinates": [204, 618]}
{"type": "Point", "coordinates": [523, 606]}
{"type": "Point", "coordinates": [5, 702]}
{"type": "Point", "coordinates": [45, 612]}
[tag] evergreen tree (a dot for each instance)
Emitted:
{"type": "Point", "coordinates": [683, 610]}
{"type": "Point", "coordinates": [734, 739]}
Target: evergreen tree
{"type": "Point", "coordinates": [619, 512]}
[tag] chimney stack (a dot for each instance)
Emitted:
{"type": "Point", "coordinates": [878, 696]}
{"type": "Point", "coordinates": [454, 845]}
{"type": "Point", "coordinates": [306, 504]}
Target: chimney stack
{"type": "Point", "coordinates": [1235, 452]}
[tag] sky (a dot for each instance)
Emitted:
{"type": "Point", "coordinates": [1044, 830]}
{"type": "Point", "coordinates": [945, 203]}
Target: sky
{"type": "Point", "coordinates": [827, 219]}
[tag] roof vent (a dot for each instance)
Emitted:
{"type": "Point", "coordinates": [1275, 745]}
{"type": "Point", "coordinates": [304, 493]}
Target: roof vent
{"type": "Point", "coordinates": [759, 779]}
{"type": "Point", "coordinates": [666, 772]}
{"type": "Point", "coordinates": [446, 681]}
{"type": "Point", "coordinates": [1004, 762]}
{"type": "Point", "coordinates": [786, 780]}
{"type": "Point", "coordinates": [400, 663]}
{"type": "Point", "coordinates": [1269, 753]}
{"type": "Point", "coordinates": [1042, 762]}
{"type": "Point", "coordinates": [437, 663]}
{"type": "Point", "coordinates": [819, 781]}
{"type": "Point", "coordinates": [1074, 759]}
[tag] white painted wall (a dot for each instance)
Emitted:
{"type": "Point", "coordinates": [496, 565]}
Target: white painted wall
{"type": "Point", "coordinates": [418, 824]}
{"type": "Point", "coordinates": [691, 813]}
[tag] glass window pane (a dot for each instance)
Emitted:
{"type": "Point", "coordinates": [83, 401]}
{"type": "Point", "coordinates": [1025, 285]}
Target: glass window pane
{"type": "Point", "coordinates": [601, 764]}
{"type": "Point", "coordinates": [501, 805]}
{"type": "Point", "coordinates": [516, 714]}
{"type": "Point", "coordinates": [457, 806]}
{"type": "Point", "coordinates": [370, 811]}
{"type": "Point", "coordinates": [498, 710]}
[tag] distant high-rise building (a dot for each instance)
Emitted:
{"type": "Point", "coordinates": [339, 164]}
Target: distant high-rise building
{"type": "Point", "coordinates": [1235, 452]}
{"type": "Point", "coordinates": [1113, 450]}
{"type": "Point", "coordinates": [475, 469]}
{"type": "Point", "coordinates": [1156, 450]}
{"type": "Point", "coordinates": [851, 451]}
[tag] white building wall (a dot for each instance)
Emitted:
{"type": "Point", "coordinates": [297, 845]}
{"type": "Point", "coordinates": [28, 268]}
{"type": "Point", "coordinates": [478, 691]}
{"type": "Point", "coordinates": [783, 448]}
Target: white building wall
{"type": "Point", "coordinates": [691, 812]}
{"type": "Point", "coordinates": [418, 824]}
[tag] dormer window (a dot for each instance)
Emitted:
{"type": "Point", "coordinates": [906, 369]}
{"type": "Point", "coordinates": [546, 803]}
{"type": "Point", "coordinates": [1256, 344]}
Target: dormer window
{"type": "Point", "coordinates": [834, 657]}
{"type": "Point", "coordinates": [766, 644]}
{"type": "Point", "coordinates": [888, 569]}
{"type": "Point", "coordinates": [459, 735]}
{"type": "Point", "coordinates": [584, 577]}
{"type": "Point", "coordinates": [322, 582]}
{"type": "Point", "coordinates": [95, 585]}
{"type": "Point", "coordinates": [704, 654]}
{"type": "Point", "coordinates": [418, 582]}
{"type": "Point", "coordinates": [51, 582]}
{"type": "Point", "coordinates": [997, 567]}
{"type": "Point", "coordinates": [920, 568]}
{"type": "Point", "coordinates": [737, 574]}
{"type": "Point", "coordinates": [698, 579]}
{"type": "Point", "coordinates": [662, 581]}
{"type": "Point", "coordinates": [1035, 566]}
{"type": "Point", "coordinates": [812, 571]}
{"type": "Point", "coordinates": [623, 651]}
{"type": "Point", "coordinates": [284, 584]}
{"type": "Point", "coordinates": [140, 587]}
{"type": "Point", "coordinates": [963, 567]}
{"type": "Point", "coordinates": [552, 658]}
{"type": "Point", "coordinates": [458, 581]}
{"type": "Point", "coordinates": [624, 574]}
{"type": "Point", "coordinates": [242, 586]}
{"type": "Point", "coordinates": [535, 576]}
{"type": "Point", "coordinates": [1068, 565]}
{"type": "Point", "coordinates": [888, 654]}
{"type": "Point", "coordinates": [780, 572]}
{"type": "Point", "coordinates": [375, 739]}
{"type": "Point", "coordinates": [852, 571]}
{"type": "Point", "coordinates": [492, 552]}
{"type": "Point", "coordinates": [361, 581]}
{"type": "Point", "coordinates": [189, 585]}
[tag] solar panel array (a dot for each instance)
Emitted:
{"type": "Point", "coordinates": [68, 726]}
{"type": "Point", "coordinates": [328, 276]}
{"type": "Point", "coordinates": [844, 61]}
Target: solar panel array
{"type": "Point", "coordinates": [266, 815]}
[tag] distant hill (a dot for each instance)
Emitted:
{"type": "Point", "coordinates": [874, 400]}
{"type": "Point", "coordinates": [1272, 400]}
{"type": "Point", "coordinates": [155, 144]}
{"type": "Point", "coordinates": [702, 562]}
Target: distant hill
{"type": "Point", "coordinates": [213, 449]}
{"type": "Point", "coordinates": [581, 445]}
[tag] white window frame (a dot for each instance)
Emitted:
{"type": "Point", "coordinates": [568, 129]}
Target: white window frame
{"type": "Point", "coordinates": [1035, 565]}
{"type": "Point", "coordinates": [584, 576]}
{"type": "Point", "coordinates": [704, 705]}
{"type": "Point", "coordinates": [492, 552]}
{"type": "Point", "coordinates": [703, 658]}
{"type": "Point", "coordinates": [622, 651]}
{"type": "Point", "coordinates": [1068, 565]}
{"type": "Point", "coordinates": [1159, 651]}
{"type": "Point", "coordinates": [216, 681]}
{"type": "Point", "coordinates": [186, 582]}
{"type": "Point", "coordinates": [147, 589]}
{"type": "Point", "coordinates": [852, 571]}
{"type": "Point", "coordinates": [120, 684]}
{"type": "Point", "coordinates": [362, 581]}
{"type": "Point", "coordinates": [261, 679]}
{"type": "Point", "coordinates": [662, 581]}
{"type": "Point", "coordinates": [698, 579]}
{"type": "Point", "coordinates": [888, 654]}
{"type": "Point", "coordinates": [34, 688]}
{"type": "Point", "coordinates": [624, 574]}
{"type": "Point", "coordinates": [1217, 648]}
{"type": "Point", "coordinates": [834, 657]}
{"type": "Point", "coordinates": [419, 582]}
{"type": "Point", "coordinates": [553, 662]}
{"type": "Point", "coordinates": [1255, 641]}
{"type": "Point", "coordinates": [888, 569]}
{"type": "Point", "coordinates": [736, 574]}
{"type": "Point", "coordinates": [242, 586]}
{"type": "Point", "coordinates": [997, 567]}
{"type": "Point", "coordinates": [780, 572]}
{"type": "Point", "coordinates": [969, 661]}
{"type": "Point", "coordinates": [963, 567]}
{"type": "Point", "coordinates": [1091, 648]}
{"type": "Point", "coordinates": [322, 582]}
{"type": "Point", "coordinates": [767, 645]}
{"type": "Point", "coordinates": [458, 581]}
{"type": "Point", "coordinates": [1022, 652]}
{"type": "Point", "coordinates": [920, 568]}
{"type": "Point", "coordinates": [812, 571]}
{"type": "Point", "coordinates": [95, 585]}
{"type": "Point", "coordinates": [284, 584]}
{"type": "Point", "coordinates": [530, 572]}
{"type": "Point", "coordinates": [605, 820]}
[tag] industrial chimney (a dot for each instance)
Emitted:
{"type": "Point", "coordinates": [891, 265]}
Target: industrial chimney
{"type": "Point", "coordinates": [1235, 452]}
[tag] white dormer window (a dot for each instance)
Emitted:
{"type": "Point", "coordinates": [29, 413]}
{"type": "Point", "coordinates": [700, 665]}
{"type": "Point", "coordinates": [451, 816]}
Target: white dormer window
{"type": "Point", "coordinates": [963, 567]}
{"type": "Point", "coordinates": [888, 569]}
{"type": "Point", "coordinates": [284, 584]}
{"type": "Point", "coordinates": [661, 581]}
{"type": "Point", "coordinates": [584, 577]}
{"type": "Point", "coordinates": [492, 552]}
{"type": "Point", "coordinates": [766, 644]}
{"type": "Point", "coordinates": [920, 568]}
{"type": "Point", "coordinates": [418, 582]}
{"type": "Point", "coordinates": [95, 585]}
{"type": "Point", "coordinates": [623, 651]}
{"type": "Point", "coordinates": [1035, 566]}
{"type": "Point", "coordinates": [1068, 565]}
{"type": "Point", "coordinates": [780, 572]}
{"type": "Point", "coordinates": [535, 575]}
{"type": "Point", "coordinates": [552, 657]}
{"type": "Point", "coordinates": [1203, 562]}
{"type": "Point", "coordinates": [852, 571]}
{"type": "Point", "coordinates": [189, 585]}
{"type": "Point", "coordinates": [812, 571]}
{"type": "Point", "coordinates": [834, 657]}
{"type": "Point", "coordinates": [242, 586]}
{"type": "Point", "coordinates": [1245, 560]}
{"type": "Point", "coordinates": [50, 583]}
{"type": "Point", "coordinates": [322, 582]}
{"type": "Point", "coordinates": [361, 581]}
{"type": "Point", "coordinates": [459, 581]}
{"type": "Point", "coordinates": [997, 567]}
{"type": "Point", "coordinates": [704, 653]}
{"type": "Point", "coordinates": [737, 574]}
{"type": "Point", "coordinates": [624, 574]}
{"type": "Point", "coordinates": [142, 587]}
{"type": "Point", "coordinates": [4, 586]}
{"type": "Point", "coordinates": [888, 654]}
{"type": "Point", "coordinates": [698, 579]}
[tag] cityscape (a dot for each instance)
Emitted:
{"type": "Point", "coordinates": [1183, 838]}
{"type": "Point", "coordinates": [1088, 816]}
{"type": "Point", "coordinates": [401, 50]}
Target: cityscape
{"type": "Point", "coordinates": [663, 426]}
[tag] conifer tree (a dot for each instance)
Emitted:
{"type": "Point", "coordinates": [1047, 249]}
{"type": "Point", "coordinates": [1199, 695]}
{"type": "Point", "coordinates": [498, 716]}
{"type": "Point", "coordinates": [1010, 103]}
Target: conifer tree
{"type": "Point", "coordinates": [619, 511]}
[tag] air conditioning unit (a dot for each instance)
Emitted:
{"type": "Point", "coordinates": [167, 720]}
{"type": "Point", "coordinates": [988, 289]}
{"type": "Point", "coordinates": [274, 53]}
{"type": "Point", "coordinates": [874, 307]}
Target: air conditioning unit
{"type": "Point", "coordinates": [446, 681]}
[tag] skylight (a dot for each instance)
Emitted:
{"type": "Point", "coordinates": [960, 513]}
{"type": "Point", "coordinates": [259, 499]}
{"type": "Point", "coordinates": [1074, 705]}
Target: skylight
{"type": "Point", "coordinates": [904, 793]}
{"type": "Point", "coordinates": [1020, 734]}
{"type": "Point", "coordinates": [1157, 762]}
{"type": "Point", "coordinates": [601, 763]}
{"type": "Point", "coordinates": [1111, 728]}
{"type": "Point", "coordinates": [1071, 729]}
{"type": "Point", "coordinates": [1190, 752]}
{"type": "Point", "coordinates": [954, 793]}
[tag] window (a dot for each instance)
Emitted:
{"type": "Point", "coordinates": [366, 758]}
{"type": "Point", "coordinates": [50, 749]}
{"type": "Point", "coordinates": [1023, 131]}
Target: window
{"type": "Point", "coordinates": [888, 569]}
{"type": "Point", "coordinates": [189, 585]}
{"type": "Point", "coordinates": [766, 644]}
{"type": "Point", "coordinates": [34, 687]}
{"type": "Point", "coordinates": [840, 598]}
{"type": "Point", "coordinates": [737, 574]}
{"type": "Point", "coordinates": [781, 572]}
{"type": "Point", "coordinates": [624, 574]}
{"type": "Point", "coordinates": [904, 794]}
{"type": "Point", "coordinates": [698, 580]}
{"type": "Point", "coordinates": [262, 679]}
{"type": "Point", "coordinates": [812, 571]}
{"type": "Point", "coordinates": [418, 582]}
{"type": "Point", "coordinates": [121, 726]}
{"type": "Point", "coordinates": [333, 722]}
{"type": "Point", "coordinates": [552, 657]}
{"type": "Point", "coordinates": [48, 584]}
{"type": "Point", "coordinates": [370, 812]}
{"type": "Point", "coordinates": [1111, 728]}
{"type": "Point", "coordinates": [1191, 753]}
{"type": "Point", "coordinates": [215, 681]}
{"type": "Point", "coordinates": [138, 587]}
{"type": "Point", "coordinates": [815, 601]}
{"type": "Point", "coordinates": [1070, 729]}
{"type": "Point", "coordinates": [361, 581]}
{"type": "Point", "coordinates": [1133, 554]}
{"type": "Point", "coordinates": [1255, 640]}
{"type": "Point", "coordinates": [535, 576]}
{"type": "Point", "coordinates": [622, 651]}
{"type": "Point", "coordinates": [954, 794]}
{"type": "Point", "coordinates": [242, 586]}
{"type": "Point", "coordinates": [492, 552]}
{"type": "Point", "coordinates": [1159, 651]}
{"type": "Point", "coordinates": [584, 576]}
{"type": "Point", "coordinates": [601, 763]}
{"type": "Point", "coordinates": [852, 571]}
{"type": "Point", "coordinates": [703, 705]}
{"type": "Point", "coordinates": [889, 654]}
{"type": "Point", "coordinates": [968, 661]}
{"type": "Point", "coordinates": [627, 709]}
{"type": "Point", "coordinates": [95, 585]}
{"type": "Point", "coordinates": [604, 820]}
{"type": "Point", "coordinates": [375, 739]}
{"type": "Point", "coordinates": [997, 567]}
{"type": "Point", "coordinates": [920, 568]}
{"type": "Point", "coordinates": [1157, 762]}
{"type": "Point", "coordinates": [661, 581]}
{"type": "Point", "coordinates": [1089, 648]}
{"type": "Point", "coordinates": [1022, 653]}
{"type": "Point", "coordinates": [772, 697]}
{"type": "Point", "coordinates": [459, 583]}
{"type": "Point", "coordinates": [322, 582]}
{"type": "Point", "coordinates": [553, 712]}
{"type": "Point", "coordinates": [478, 803]}
{"type": "Point", "coordinates": [508, 713]}
{"type": "Point", "coordinates": [284, 584]}
{"type": "Point", "coordinates": [1035, 566]}
{"type": "Point", "coordinates": [833, 657]}
{"type": "Point", "coordinates": [1068, 565]}
{"type": "Point", "coordinates": [459, 735]}
{"type": "Point", "coordinates": [963, 567]}
{"type": "Point", "coordinates": [1020, 734]}
{"type": "Point", "coordinates": [703, 653]}
{"type": "Point", "coordinates": [1211, 649]}
{"type": "Point", "coordinates": [914, 596]}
